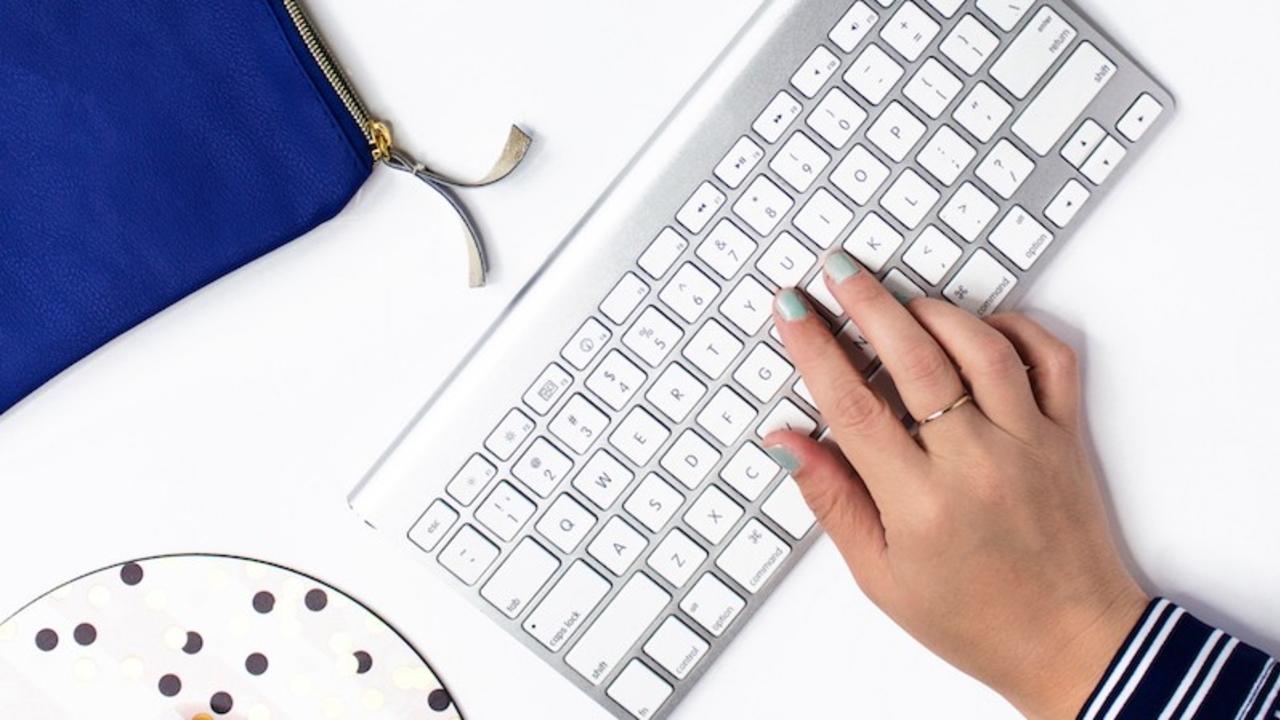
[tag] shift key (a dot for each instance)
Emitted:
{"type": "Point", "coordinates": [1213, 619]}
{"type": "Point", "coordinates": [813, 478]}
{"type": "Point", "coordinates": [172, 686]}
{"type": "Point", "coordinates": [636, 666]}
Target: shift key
{"type": "Point", "coordinates": [1064, 98]}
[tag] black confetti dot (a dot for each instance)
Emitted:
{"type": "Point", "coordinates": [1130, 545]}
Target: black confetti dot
{"type": "Point", "coordinates": [256, 664]}
{"type": "Point", "coordinates": [264, 602]}
{"type": "Point", "coordinates": [195, 642]}
{"type": "Point", "coordinates": [364, 661]}
{"type": "Point", "coordinates": [439, 699]}
{"type": "Point", "coordinates": [46, 639]}
{"type": "Point", "coordinates": [170, 685]}
{"type": "Point", "coordinates": [220, 703]}
{"type": "Point", "coordinates": [131, 574]}
{"type": "Point", "coordinates": [317, 600]}
{"type": "Point", "coordinates": [85, 634]}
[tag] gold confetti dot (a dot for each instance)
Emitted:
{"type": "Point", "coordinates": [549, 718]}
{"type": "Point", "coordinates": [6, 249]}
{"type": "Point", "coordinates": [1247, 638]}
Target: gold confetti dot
{"type": "Point", "coordinates": [333, 708]}
{"type": "Point", "coordinates": [347, 665]}
{"type": "Point", "coordinates": [402, 677]}
{"type": "Point", "coordinates": [175, 637]}
{"type": "Point", "coordinates": [202, 716]}
{"type": "Point", "coordinates": [132, 668]}
{"type": "Point", "coordinates": [8, 631]}
{"type": "Point", "coordinates": [99, 596]}
{"type": "Point", "coordinates": [372, 699]}
{"type": "Point", "coordinates": [84, 669]}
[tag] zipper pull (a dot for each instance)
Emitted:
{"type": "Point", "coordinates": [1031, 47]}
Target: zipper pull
{"type": "Point", "coordinates": [385, 151]}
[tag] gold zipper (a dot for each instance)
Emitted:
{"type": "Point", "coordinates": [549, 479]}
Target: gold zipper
{"type": "Point", "coordinates": [383, 149]}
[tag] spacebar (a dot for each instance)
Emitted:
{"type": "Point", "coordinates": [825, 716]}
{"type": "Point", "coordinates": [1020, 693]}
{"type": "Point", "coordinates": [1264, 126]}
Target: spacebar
{"type": "Point", "coordinates": [1064, 98]}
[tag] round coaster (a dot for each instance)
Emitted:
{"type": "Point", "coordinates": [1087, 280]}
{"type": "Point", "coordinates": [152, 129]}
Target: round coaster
{"type": "Point", "coordinates": [201, 637]}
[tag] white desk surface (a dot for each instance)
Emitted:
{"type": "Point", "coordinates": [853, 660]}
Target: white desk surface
{"type": "Point", "coordinates": [237, 421]}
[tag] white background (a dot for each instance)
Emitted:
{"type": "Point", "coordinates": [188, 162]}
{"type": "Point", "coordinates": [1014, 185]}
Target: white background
{"type": "Point", "coordinates": [237, 421]}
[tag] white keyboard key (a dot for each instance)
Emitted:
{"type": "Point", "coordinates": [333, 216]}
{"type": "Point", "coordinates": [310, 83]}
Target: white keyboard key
{"type": "Point", "coordinates": [857, 346]}
{"type": "Point", "coordinates": [432, 526]}
{"type": "Point", "coordinates": [726, 249]}
{"type": "Point", "coordinates": [509, 435]}
{"type": "Point", "coordinates": [468, 555]}
{"type": "Point", "coordinates": [777, 117]}
{"type": "Point", "coordinates": [818, 292]}
{"type": "Point", "coordinates": [602, 479]}
{"type": "Point", "coordinates": [910, 199]}
{"type": "Point", "coordinates": [652, 336]}
{"type": "Point", "coordinates": [675, 647]}
{"type": "Point", "coordinates": [982, 112]}
{"type": "Point", "coordinates": [981, 285]}
{"type": "Point", "coordinates": [585, 344]}
{"type": "Point", "coordinates": [578, 424]}
{"type": "Point", "coordinates": [615, 380]}
{"type": "Point", "coordinates": [713, 515]}
{"type": "Point", "coordinates": [617, 546]}
{"type": "Point", "coordinates": [749, 471]}
{"type": "Point", "coordinates": [639, 690]}
{"type": "Point", "coordinates": [1083, 143]}
{"type": "Point", "coordinates": [1004, 169]}
{"type": "Point", "coordinates": [786, 261]}
{"type": "Point", "coordinates": [896, 132]}
{"type": "Point", "coordinates": [700, 208]}
{"type": "Point", "coordinates": [753, 556]}
{"type": "Point", "coordinates": [712, 349]}
{"type": "Point", "coordinates": [787, 507]}
{"type": "Point", "coordinates": [805, 394]}
{"type": "Point", "coordinates": [690, 458]}
{"type": "Point", "coordinates": [946, 155]}
{"type": "Point", "coordinates": [748, 306]}
{"type": "Point", "coordinates": [762, 205]}
{"type": "Point", "coordinates": [675, 393]}
{"type": "Point", "coordinates": [519, 578]}
{"type": "Point", "coordinates": [1005, 13]}
{"type": "Point", "coordinates": [471, 480]}
{"type": "Point", "coordinates": [799, 162]}
{"type": "Point", "coordinates": [836, 118]}
{"type": "Point", "coordinates": [739, 162]}
{"type": "Point", "coordinates": [542, 467]}
{"type": "Point", "coordinates": [639, 436]}
{"type": "Point", "coordinates": [676, 558]}
{"type": "Point", "coordinates": [1066, 96]}
{"type": "Point", "coordinates": [505, 511]}
{"type": "Point", "coordinates": [786, 415]}
{"type": "Point", "coordinates": [1104, 160]}
{"type": "Point", "coordinates": [933, 88]}
{"type": "Point", "coordinates": [902, 287]}
{"type": "Point", "coordinates": [726, 416]}
{"type": "Point", "coordinates": [815, 72]}
{"type": "Point", "coordinates": [932, 255]}
{"type": "Point", "coordinates": [689, 293]}
{"type": "Point", "coordinates": [566, 605]}
{"type": "Point", "coordinates": [970, 44]}
{"type": "Point", "coordinates": [859, 175]}
{"type": "Point", "coordinates": [873, 74]}
{"type": "Point", "coordinates": [547, 389]}
{"type": "Point", "coordinates": [625, 297]}
{"type": "Point", "coordinates": [1033, 52]}
{"type": "Point", "coordinates": [1067, 203]}
{"type": "Point", "coordinates": [946, 8]}
{"type": "Point", "coordinates": [969, 212]}
{"type": "Point", "coordinates": [662, 253]}
{"type": "Point", "coordinates": [823, 218]}
{"type": "Point", "coordinates": [654, 502]}
{"type": "Point", "coordinates": [1021, 238]}
{"type": "Point", "coordinates": [853, 27]}
{"type": "Point", "coordinates": [565, 523]}
{"type": "Point", "coordinates": [763, 373]}
{"type": "Point", "coordinates": [712, 604]}
{"type": "Point", "coordinates": [873, 242]}
{"type": "Point", "coordinates": [1139, 118]}
{"type": "Point", "coordinates": [910, 31]}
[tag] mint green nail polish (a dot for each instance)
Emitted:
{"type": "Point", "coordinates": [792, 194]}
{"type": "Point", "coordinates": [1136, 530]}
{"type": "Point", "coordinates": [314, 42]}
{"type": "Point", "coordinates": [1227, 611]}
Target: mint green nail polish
{"type": "Point", "coordinates": [783, 457]}
{"type": "Point", "coordinates": [841, 267]}
{"type": "Point", "coordinates": [791, 306]}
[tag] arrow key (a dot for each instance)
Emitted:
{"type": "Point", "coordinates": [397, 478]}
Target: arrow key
{"type": "Point", "coordinates": [1104, 160]}
{"type": "Point", "coordinates": [1064, 207]}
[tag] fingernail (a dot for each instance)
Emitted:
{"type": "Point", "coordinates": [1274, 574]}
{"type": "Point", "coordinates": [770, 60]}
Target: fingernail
{"type": "Point", "coordinates": [791, 306]}
{"type": "Point", "coordinates": [784, 457]}
{"type": "Point", "coordinates": [840, 267]}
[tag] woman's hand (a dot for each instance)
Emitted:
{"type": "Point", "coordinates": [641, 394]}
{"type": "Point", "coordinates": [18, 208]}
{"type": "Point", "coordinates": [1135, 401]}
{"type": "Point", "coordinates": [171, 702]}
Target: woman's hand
{"type": "Point", "coordinates": [984, 536]}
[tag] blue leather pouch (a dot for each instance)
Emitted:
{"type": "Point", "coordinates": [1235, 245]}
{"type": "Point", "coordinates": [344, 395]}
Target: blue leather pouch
{"type": "Point", "coordinates": [148, 147]}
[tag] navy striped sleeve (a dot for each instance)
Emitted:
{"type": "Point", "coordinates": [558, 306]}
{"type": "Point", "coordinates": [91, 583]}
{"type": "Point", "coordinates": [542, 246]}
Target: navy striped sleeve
{"type": "Point", "coordinates": [1174, 667]}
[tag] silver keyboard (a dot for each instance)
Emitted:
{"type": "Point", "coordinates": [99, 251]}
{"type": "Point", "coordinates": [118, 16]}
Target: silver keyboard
{"type": "Point", "coordinates": [591, 475]}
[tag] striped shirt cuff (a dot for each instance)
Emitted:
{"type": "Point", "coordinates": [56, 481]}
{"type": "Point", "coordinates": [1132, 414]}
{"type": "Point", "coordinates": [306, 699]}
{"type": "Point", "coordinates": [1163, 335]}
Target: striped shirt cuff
{"type": "Point", "coordinates": [1174, 667]}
